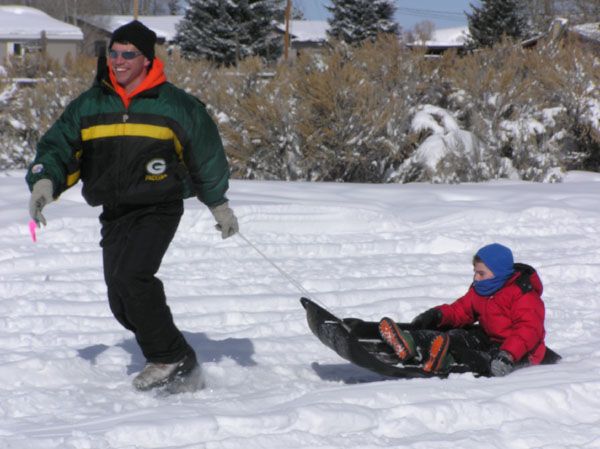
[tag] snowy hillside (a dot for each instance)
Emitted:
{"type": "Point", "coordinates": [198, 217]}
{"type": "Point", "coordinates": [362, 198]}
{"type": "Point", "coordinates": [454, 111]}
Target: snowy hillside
{"type": "Point", "coordinates": [361, 250]}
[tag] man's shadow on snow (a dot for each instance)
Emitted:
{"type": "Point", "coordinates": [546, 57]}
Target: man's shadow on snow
{"type": "Point", "coordinates": [240, 350]}
{"type": "Point", "coordinates": [347, 373]}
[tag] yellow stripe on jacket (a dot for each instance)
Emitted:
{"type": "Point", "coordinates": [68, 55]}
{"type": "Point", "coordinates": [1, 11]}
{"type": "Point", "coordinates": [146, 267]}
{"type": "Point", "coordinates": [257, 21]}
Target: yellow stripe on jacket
{"type": "Point", "coordinates": [134, 130]}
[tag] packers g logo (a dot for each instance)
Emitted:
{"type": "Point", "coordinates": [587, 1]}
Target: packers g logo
{"type": "Point", "coordinates": [156, 169]}
{"type": "Point", "coordinates": [156, 166]}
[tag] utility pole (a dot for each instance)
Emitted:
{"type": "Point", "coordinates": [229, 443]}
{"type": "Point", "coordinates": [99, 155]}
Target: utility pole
{"type": "Point", "coordinates": [548, 8]}
{"type": "Point", "coordinates": [136, 8]}
{"type": "Point", "coordinates": [286, 36]}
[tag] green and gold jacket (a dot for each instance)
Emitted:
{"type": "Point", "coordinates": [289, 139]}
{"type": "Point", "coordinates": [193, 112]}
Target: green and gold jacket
{"type": "Point", "coordinates": [155, 146]}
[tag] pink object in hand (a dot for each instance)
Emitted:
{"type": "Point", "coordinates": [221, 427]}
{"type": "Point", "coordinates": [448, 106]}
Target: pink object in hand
{"type": "Point", "coordinates": [32, 226]}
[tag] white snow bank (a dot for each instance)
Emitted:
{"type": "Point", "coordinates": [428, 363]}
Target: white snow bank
{"type": "Point", "coordinates": [362, 250]}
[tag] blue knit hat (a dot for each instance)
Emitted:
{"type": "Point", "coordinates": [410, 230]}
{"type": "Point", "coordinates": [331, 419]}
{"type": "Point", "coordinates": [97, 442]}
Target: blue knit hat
{"type": "Point", "coordinates": [497, 258]}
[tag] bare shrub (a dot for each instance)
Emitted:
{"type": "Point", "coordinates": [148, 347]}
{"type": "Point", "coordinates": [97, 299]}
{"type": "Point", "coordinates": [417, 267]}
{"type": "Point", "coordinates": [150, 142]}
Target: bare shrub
{"type": "Point", "coordinates": [339, 117]}
{"type": "Point", "coordinates": [261, 132]}
{"type": "Point", "coordinates": [506, 94]}
{"type": "Point", "coordinates": [354, 109]}
{"type": "Point", "coordinates": [345, 115]}
{"type": "Point", "coordinates": [29, 111]}
{"type": "Point", "coordinates": [571, 82]}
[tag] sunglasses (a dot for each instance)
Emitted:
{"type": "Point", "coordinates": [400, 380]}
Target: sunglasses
{"type": "Point", "coordinates": [128, 55]}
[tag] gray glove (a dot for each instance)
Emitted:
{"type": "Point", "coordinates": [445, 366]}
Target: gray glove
{"type": "Point", "coordinates": [502, 364]}
{"type": "Point", "coordinates": [226, 221]}
{"type": "Point", "coordinates": [40, 196]}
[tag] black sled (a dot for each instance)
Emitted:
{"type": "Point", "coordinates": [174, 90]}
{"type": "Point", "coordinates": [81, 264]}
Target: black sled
{"type": "Point", "coordinates": [359, 342]}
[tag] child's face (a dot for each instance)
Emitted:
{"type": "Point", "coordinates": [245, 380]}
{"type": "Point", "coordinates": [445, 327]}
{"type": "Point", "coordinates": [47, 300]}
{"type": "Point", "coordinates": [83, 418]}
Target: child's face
{"type": "Point", "coordinates": [481, 272]}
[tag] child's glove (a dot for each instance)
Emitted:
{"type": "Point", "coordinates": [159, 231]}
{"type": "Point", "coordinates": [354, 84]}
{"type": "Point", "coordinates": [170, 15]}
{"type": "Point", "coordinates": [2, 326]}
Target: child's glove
{"type": "Point", "coordinates": [226, 221]}
{"type": "Point", "coordinates": [41, 194]}
{"type": "Point", "coordinates": [502, 364]}
{"type": "Point", "coordinates": [430, 319]}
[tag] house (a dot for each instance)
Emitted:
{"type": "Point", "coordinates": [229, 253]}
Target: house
{"type": "Point", "coordinates": [28, 30]}
{"type": "Point", "coordinates": [443, 40]}
{"type": "Point", "coordinates": [305, 36]}
{"type": "Point", "coordinates": [588, 34]}
{"type": "Point", "coordinates": [97, 29]}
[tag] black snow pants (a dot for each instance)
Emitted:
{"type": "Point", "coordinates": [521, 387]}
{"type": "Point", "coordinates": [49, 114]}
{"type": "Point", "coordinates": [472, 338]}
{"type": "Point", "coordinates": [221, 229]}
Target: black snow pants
{"type": "Point", "coordinates": [134, 241]}
{"type": "Point", "coordinates": [469, 347]}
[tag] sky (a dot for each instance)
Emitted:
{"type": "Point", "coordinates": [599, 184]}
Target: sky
{"type": "Point", "coordinates": [361, 250]}
{"type": "Point", "coordinates": [443, 13]}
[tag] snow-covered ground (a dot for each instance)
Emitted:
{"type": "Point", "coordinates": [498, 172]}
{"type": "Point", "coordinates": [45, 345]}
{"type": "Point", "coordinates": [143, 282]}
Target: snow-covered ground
{"type": "Point", "coordinates": [361, 250]}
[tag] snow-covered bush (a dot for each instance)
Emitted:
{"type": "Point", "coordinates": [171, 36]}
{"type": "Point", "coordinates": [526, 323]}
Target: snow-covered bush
{"type": "Point", "coordinates": [371, 113]}
{"type": "Point", "coordinates": [573, 82]}
{"type": "Point", "coordinates": [534, 144]}
{"type": "Point", "coordinates": [339, 117]}
{"type": "Point", "coordinates": [352, 112]}
{"type": "Point", "coordinates": [260, 130]}
{"type": "Point", "coordinates": [448, 154]}
{"type": "Point", "coordinates": [29, 106]}
{"type": "Point", "coordinates": [523, 107]}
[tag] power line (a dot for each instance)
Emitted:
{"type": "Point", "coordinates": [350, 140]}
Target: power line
{"type": "Point", "coordinates": [430, 13]}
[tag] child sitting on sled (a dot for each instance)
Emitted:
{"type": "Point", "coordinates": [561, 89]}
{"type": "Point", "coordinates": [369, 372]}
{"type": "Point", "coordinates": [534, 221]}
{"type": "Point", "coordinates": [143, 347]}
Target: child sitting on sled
{"type": "Point", "coordinates": [505, 300]}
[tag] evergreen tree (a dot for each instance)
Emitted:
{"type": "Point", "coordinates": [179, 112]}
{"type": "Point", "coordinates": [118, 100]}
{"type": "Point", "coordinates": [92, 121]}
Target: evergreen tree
{"type": "Point", "coordinates": [353, 21]}
{"type": "Point", "coordinates": [494, 19]}
{"type": "Point", "coordinates": [226, 31]}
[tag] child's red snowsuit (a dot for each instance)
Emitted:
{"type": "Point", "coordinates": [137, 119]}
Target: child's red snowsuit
{"type": "Point", "coordinates": [513, 316]}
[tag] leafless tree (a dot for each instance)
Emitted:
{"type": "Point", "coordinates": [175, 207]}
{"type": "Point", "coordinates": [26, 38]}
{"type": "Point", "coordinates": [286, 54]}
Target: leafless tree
{"type": "Point", "coordinates": [424, 30]}
{"type": "Point", "coordinates": [173, 6]}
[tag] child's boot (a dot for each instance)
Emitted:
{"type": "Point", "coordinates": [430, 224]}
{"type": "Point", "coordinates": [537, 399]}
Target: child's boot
{"type": "Point", "coordinates": [401, 341]}
{"type": "Point", "coordinates": [439, 358]}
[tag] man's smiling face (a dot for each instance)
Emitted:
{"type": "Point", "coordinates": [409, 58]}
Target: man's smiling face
{"type": "Point", "coordinates": [128, 72]}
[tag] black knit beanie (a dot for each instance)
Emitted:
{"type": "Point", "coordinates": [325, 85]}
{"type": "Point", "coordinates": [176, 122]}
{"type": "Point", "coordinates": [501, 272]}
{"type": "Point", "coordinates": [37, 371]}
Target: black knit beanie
{"type": "Point", "coordinates": [138, 34]}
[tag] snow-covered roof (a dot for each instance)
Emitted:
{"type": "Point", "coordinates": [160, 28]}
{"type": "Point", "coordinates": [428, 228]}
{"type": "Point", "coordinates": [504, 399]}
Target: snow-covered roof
{"type": "Point", "coordinates": [446, 37]}
{"type": "Point", "coordinates": [307, 30]}
{"type": "Point", "coordinates": [24, 23]}
{"type": "Point", "coordinates": [163, 26]}
{"type": "Point", "coordinates": [590, 31]}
